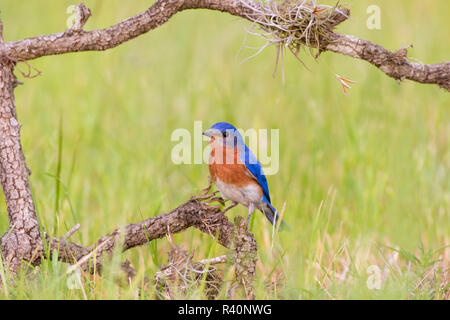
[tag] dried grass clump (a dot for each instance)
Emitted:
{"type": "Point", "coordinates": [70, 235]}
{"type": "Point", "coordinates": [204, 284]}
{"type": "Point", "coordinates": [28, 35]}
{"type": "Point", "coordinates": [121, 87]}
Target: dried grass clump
{"type": "Point", "coordinates": [182, 275]}
{"type": "Point", "coordinates": [292, 24]}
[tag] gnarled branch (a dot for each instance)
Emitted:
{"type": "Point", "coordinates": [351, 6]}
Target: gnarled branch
{"type": "Point", "coordinates": [394, 64]}
{"type": "Point", "coordinates": [194, 213]}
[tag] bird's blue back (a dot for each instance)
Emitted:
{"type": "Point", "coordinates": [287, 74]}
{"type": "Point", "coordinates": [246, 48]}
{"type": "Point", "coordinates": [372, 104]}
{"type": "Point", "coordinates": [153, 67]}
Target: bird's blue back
{"type": "Point", "coordinates": [253, 165]}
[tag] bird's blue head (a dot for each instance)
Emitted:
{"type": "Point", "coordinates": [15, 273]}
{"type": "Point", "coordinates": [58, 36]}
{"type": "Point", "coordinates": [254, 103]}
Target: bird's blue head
{"type": "Point", "coordinates": [225, 134]}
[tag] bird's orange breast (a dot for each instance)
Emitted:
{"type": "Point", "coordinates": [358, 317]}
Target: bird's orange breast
{"type": "Point", "coordinates": [225, 164]}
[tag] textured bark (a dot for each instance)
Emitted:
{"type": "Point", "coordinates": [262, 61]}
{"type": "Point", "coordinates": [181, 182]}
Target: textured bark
{"type": "Point", "coordinates": [394, 64]}
{"type": "Point", "coordinates": [22, 240]}
{"type": "Point", "coordinates": [245, 257]}
{"type": "Point", "coordinates": [75, 40]}
{"type": "Point", "coordinates": [194, 213]}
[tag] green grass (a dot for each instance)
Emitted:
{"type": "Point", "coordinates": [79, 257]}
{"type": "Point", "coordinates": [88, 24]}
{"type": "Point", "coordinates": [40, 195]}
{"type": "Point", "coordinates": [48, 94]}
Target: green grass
{"type": "Point", "coordinates": [365, 176]}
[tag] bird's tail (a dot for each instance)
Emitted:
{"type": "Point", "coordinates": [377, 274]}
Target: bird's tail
{"type": "Point", "coordinates": [273, 216]}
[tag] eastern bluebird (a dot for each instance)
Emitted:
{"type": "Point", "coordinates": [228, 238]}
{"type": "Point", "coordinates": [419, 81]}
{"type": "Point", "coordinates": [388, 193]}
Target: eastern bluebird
{"type": "Point", "coordinates": [237, 173]}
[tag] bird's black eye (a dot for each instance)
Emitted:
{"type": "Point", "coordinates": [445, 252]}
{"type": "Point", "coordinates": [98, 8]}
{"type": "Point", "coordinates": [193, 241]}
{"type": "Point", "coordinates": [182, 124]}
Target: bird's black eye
{"type": "Point", "coordinates": [225, 134]}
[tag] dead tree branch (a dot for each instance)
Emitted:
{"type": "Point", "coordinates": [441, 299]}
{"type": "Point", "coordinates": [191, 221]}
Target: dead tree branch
{"type": "Point", "coordinates": [245, 257]}
{"type": "Point", "coordinates": [22, 240]}
{"type": "Point", "coordinates": [194, 213]}
{"type": "Point", "coordinates": [394, 64]}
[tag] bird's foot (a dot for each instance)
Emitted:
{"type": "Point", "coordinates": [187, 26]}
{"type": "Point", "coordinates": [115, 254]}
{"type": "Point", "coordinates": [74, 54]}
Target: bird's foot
{"type": "Point", "coordinates": [206, 190]}
{"type": "Point", "coordinates": [203, 196]}
{"type": "Point", "coordinates": [222, 212]}
{"type": "Point", "coordinates": [231, 206]}
{"type": "Point", "coordinates": [251, 209]}
{"type": "Point", "coordinates": [248, 220]}
{"type": "Point", "coordinates": [217, 199]}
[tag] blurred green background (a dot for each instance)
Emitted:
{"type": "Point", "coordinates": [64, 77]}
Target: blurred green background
{"type": "Point", "coordinates": [358, 171]}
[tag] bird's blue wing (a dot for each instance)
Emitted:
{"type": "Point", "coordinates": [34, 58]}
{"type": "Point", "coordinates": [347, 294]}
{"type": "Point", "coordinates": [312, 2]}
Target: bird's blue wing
{"type": "Point", "coordinates": [253, 165]}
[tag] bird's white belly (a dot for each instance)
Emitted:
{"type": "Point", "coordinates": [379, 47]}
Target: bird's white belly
{"type": "Point", "coordinates": [243, 195]}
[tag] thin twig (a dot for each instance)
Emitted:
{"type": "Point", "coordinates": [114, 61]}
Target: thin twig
{"type": "Point", "coordinates": [213, 261]}
{"type": "Point", "coordinates": [71, 231]}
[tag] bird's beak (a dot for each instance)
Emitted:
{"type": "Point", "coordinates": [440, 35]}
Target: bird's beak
{"type": "Point", "coordinates": [210, 133]}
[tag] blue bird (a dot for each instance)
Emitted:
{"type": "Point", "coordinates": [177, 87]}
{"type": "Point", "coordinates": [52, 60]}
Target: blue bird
{"type": "Point", "coordinates": [237, 173]}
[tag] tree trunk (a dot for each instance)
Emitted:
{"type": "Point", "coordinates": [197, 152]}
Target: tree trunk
{"type": "Point", "coordinates": [22, 240]}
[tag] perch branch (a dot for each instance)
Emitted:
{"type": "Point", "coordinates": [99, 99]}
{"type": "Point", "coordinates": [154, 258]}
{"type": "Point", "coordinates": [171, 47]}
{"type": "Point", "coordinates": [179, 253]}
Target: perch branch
{"type": "Point", "coordinates": [193, 213]}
